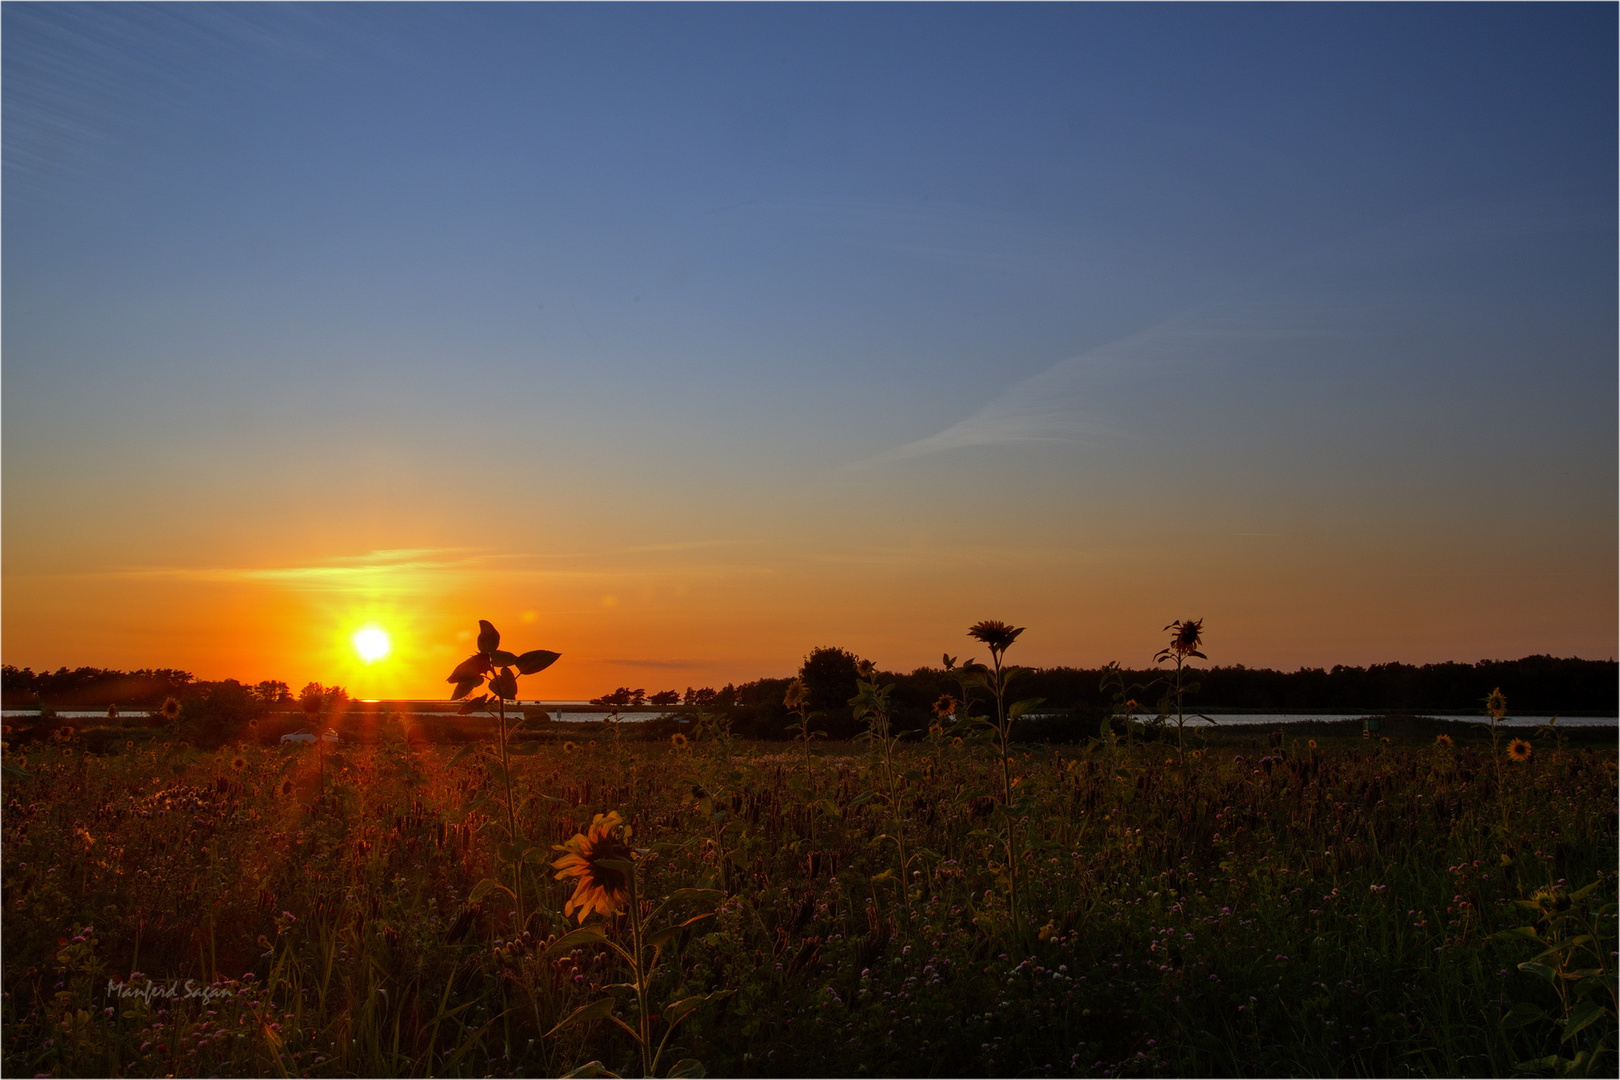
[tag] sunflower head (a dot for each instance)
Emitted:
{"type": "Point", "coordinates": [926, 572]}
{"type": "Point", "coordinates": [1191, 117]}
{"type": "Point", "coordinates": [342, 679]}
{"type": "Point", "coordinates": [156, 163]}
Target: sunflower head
{"type": "Point", "coordinates": [678, 741]}
{"type": "Point", "coordinates": [1186, 635]}
{"type": "Point", "coordinates": [112, 712]}
{"type": "Point", "coordinates": [601, 887]}
{"type": "Point", "coordinates": [1519, 750]}
{"type": "Point", "coordinates": [866, 670]}
{"type": "Point", "coordinates": [1442, 740]}
{"type": "Point", "coordinates": [1312, 744]}
{"type": "Point", "coordinates": [171, 708]}
{"type": "Point", "coordinates": [956, 743]}
{"type": "Point", "coordinates": [996, 634]}
{"type": "Point", "coordinates": [945, 706]}
{"type": "Point", "coordinates": [1496, 704]}
{"type": "Point", "coordinates": [238, 763]}
{"type": "Point", "coordinates": [796, 694]}
{"type": "Point", "coordinates": [570, 747]}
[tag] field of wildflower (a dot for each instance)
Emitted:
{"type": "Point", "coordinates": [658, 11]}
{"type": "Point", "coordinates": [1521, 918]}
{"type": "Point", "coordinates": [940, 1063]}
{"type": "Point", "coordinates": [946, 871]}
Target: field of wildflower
{"type": "Point", "coordinates": [1262, 904]}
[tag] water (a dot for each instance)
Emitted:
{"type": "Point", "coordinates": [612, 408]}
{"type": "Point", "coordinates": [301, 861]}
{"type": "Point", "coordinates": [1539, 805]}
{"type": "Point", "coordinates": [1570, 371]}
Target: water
{"type": "Point", "coordinates": [574, 714]}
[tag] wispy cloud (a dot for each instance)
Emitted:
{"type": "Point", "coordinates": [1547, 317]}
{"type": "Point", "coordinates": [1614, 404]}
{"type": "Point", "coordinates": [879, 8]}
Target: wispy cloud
{"type": "Point", "coordinates": [1320, 305]}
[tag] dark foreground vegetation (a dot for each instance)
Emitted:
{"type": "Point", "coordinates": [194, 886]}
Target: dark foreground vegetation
{"type": "Point", "coordinates": [1256, 906]}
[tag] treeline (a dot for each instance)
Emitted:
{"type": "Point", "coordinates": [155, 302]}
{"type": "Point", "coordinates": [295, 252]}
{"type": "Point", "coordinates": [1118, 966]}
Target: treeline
{"type": "Point", "coordinates": [1533, 685]}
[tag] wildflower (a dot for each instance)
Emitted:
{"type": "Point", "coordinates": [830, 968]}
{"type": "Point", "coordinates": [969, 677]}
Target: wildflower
{"type": "Point", "coordinates": [1519, 750]}
{"type": "Point", "coordinates": [1195, 754]}
{"type": "Point", "coordinates": [570, 748]}
{"type": "Point", "coordinates": [945, 706]}
{"type": "Point", "coordinates": [956, 743]}
{"type": "Point", "coordinates": [796, 694]}
{"type": "Point", "coordinates": [238, 763]}
{"type": "Point", "coordinates": [601, 888]}
{"type": "Point", "coordinates": [1311, 744]}
{"type": "Point", "coordinates": [1442, 740]}
{"type": "Point", "coordinates": [678, 741]}
{"type": "Point", "coordinates": [866, 670]}
{"type": "Point", "coordinates": [996, 634]}
{"type": "Point", "coordinates": [1496, 704]}
{"type": "Point", "coordinates": [171, 708]}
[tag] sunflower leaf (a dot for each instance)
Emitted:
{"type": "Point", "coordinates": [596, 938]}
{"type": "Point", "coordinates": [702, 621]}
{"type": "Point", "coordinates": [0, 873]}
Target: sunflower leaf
{"type": "Point", "coordinates": [536, 855]}
{"type": "Point", "coordinates": [590, 1068]}
{"type": "Point", "coordinates": [596, 1010]}
{"type": "Point", "coordinates": [502, 658]}
{"type": "Point", "coordinates": [585, 935]}
{"type": "Point", "coordinates": [1580, 1016]}
{"type": "Point", "coordinates": [536, 660]}
{"type": "Point", "coordinates": [462, 754]}
{"type": "Point", "coordinates": [687, 1069]}
{"type": "Point", "coordinates": [466, 686]}
{"type": "Point", "coordinates": [1523, 1013]}
{"type": "Point", "coordinates": [1019, 708]}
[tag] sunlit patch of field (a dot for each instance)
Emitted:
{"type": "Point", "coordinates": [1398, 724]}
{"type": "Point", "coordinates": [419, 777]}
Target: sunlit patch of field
{"type": "Point", "coordinates": [1257, 910]}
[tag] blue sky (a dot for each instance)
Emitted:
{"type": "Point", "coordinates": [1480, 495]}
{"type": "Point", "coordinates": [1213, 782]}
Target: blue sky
{"type": "Point", "coordinates": [285, 283]}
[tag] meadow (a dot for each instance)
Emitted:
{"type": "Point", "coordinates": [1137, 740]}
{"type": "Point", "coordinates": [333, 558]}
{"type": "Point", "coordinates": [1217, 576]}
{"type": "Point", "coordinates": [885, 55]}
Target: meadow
{"type": "Point", "coordinates": [1299, 902]}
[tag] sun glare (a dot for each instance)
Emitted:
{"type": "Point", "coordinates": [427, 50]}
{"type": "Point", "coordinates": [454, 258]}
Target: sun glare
{"type": "Point", "coordinates": [371, 642]}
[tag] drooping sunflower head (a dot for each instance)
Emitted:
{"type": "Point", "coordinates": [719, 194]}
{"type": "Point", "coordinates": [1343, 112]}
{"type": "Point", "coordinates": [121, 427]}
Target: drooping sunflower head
{"type": "Point", "coordinates": [866, 670]}
{"type": "Point", "coordinates": [1496, 704]}
{"type": "Point", "coordinates": [1186, 635]}
{"type": "Point", "coordinates": [171, 708]}
{"type": "Point", "coordinates": [996, 634]}
{"type": "Point", "coordinates": [796, 694]}
{"type": "Point", "coordinates": [945, 706]}
{"type": "Point", "coordinates": [1519, 750]}
{"type": "Point", "coordinates": [1442, 740]}
{"type": "Point", "coordinates": [601, 888]}
{"type": "Point", "coordinates": [678, 741]}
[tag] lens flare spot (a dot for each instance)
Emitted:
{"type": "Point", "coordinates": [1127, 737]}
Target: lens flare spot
{"type": "Point", "coordinates": [372, 643]}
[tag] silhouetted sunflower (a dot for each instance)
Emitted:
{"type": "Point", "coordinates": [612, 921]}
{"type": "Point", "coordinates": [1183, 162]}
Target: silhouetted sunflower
{"type": "Point", "coordinates": [1185, 637]}
{"type": "Point", "coordinates": [795, 695]}
{"type": "Point", "coordinates": [171, 708]}
{"type": "Point", "coordinates": [600, 888]}
{"type": "Point", "coordinates": [1519, 750]}
{"type": "Point", "coordinates": [1496, 704]}
{"type": "Point", "coordinates": [996, 634]}
{"type": "Point", "coordinates": [945, 706]}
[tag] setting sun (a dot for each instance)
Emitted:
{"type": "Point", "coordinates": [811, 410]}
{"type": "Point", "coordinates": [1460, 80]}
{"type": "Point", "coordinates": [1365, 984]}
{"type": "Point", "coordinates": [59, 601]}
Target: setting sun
{"type": "Point", "coordinates": [371, 642]}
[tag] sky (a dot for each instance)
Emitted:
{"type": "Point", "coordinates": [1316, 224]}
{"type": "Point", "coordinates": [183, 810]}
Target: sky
{"type": "Point", "coordinates": [683, 339]}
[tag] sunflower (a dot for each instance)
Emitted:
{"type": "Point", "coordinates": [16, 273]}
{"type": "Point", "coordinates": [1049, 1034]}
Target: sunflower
{"type": "Point", "coordinates": [796, 694]}
{"type": "Point", "coordinates": [112, 712]}
{"type": "Point", "coordinates": [1519, 750]}
{"type": "Point", "coordinates": [678, 741]}
{"type": "Point", "coordinates": [956, 743]}
{"type": "Point", "coordinates": [286, 787]}
{"type": "Point", "coordinates": [1185, 637]}
{"type": "Point", "coordinates": [866, 670]}
{"type": "Point", "coordinates": [570, 748]}
{"type": "Point", "coordinates": [1442, 740]}
{"type": "Point", "coordinates": [1196, 755]}
{"type": "Point", "coordinates": [996, 634]}
{"type": "Point", "coordinates": [945, 706]}
{"type": "Point", "coordinates": [1311, 744]}
{"type": "Point", "coordinates": [171, 709]}
{"type": "Point", "coordinates": [601, 888]}
{"type": "Point", "coordinates": [238, 763]}
{"type": "Point", "coordinates": [1496, 704]}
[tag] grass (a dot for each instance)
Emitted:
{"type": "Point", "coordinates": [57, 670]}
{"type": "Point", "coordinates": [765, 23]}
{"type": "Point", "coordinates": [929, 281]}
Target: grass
{"type": "Point", "coordinates": [1266, 908]}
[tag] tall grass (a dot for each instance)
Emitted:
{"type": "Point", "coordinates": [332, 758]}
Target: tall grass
{"type": "Point", "coordinates": [1272, 910]}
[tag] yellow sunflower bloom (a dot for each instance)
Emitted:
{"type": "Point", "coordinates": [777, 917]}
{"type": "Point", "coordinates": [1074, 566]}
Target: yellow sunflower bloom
{"type": "Point", "coordinates": [678, 741]}
{"type": "Point", "coordinates": [600, 888]}
{"type": "Point", "coordinates": [1442, 740]}
{"type": "Point", "coordinates": [1519, 750]}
